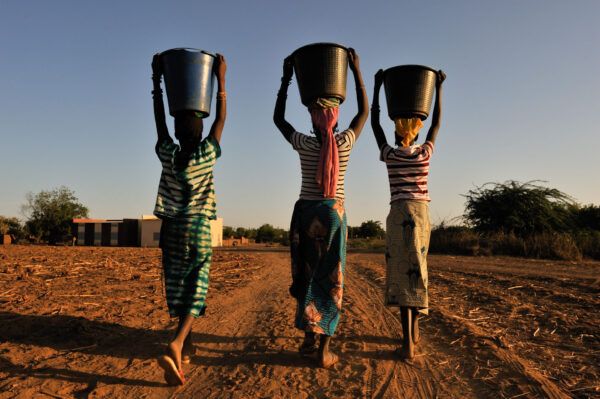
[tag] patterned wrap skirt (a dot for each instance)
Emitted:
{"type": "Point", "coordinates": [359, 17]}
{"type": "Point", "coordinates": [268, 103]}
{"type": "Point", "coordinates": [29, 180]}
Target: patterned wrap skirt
{"type": "Point", "coordinates": [318, 251]}
{"type": "Point", "coordinates": [186, 253]}
{"type": "Point", "coordinates": [408, 229]}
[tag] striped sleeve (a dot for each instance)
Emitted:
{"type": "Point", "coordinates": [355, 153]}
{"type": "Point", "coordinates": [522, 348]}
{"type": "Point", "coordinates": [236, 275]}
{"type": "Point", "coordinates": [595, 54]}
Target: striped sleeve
{"type": "Point", "coordinates": [385, 151]}
{"type": "Point", "coordinates": [346, 139]}
{"type": "Point", "coordinates": [427, 148]}
{"type": "Point", "coordinates": [210, 145]}
{"type": "Point", "coordinates": [298, 141]}
{"type": "Point", "coordinates": [164, 149]}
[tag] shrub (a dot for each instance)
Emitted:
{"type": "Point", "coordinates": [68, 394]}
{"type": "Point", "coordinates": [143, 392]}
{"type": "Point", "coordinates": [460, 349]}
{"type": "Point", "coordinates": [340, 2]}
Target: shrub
{"type": "Point", "coordinates": [520, 208]}
{"type": "Point", "coordinates": [267, 233]}
{"type": "Point", "coordinates": [589, 243]}
{"type": "Point", "coordinates": [372, 244]}
{"type": "Point", "coordinates": [458, 240]}
{"type": "Point", "coordinates": [11, 226]}
{"type": "Point", "coordinates": [50, 214]}
{"type": "Point", "coordinates": [461, 240]}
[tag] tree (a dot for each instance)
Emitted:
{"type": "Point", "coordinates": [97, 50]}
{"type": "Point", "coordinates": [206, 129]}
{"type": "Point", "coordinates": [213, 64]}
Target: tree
{"type": "Point", "coordinates": [228, 232]}
{"type": "Point", "coordinates": [11, 226]}
{"type": "Point", "coordinates": [519, 208]}
{"type": "Point", "coordinates": [371, 229]}
{"type": "Point", "coordinates": [265, 233]}
{"type": "Point", "coordinates": [353, 232]}
{"type": "Point", "coordinates": [240, 232]}
{"type": "Point", "coordinates": [251, 233]}
{"type": "Point", "coordinates": [50, 214]}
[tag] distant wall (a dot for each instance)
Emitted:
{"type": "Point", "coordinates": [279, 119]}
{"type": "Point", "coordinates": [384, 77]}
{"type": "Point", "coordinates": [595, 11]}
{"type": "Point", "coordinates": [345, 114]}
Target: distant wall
{"type": "Point", "coordinates": [106, 232]}
{"type": "Point", "coordinates": [216, 232]}
{"type": "Point", "coordinates": [234, 242]}
{"type": "Point", "coordinates": [149, 232]}
{"type": "Point", "coordinates": [143, 232]}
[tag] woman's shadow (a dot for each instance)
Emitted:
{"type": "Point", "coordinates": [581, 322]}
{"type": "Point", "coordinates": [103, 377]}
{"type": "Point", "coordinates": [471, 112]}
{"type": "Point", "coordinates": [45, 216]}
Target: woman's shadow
{"type": "Point", "coordinates": [68, 334]}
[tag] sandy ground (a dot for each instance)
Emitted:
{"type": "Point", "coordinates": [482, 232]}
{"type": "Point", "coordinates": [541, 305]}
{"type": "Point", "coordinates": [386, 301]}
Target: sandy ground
{"type": "Point", "coordinates": [89, 323]}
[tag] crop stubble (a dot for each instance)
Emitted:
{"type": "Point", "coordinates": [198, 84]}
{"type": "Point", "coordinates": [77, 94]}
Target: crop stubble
{"type": "Point", "coordinates": [88, 322]}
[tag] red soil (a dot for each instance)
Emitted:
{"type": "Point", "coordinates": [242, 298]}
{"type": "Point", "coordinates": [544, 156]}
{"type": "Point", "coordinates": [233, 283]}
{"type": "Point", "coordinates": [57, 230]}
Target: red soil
{"type": "Point", "coordinates": [89, 323]}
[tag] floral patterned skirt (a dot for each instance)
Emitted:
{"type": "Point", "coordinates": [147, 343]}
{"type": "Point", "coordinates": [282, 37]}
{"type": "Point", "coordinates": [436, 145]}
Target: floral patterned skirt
{"type": "Point", "coordinates": [318, 251]}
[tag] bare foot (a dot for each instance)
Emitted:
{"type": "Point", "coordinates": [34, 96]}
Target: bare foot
{"type": "Point", "coordinates": [174, 352]}
{"type": "Point", "coordinates": [327, 359]}
{"type": "Point", "coordinates": [172, 375]}
{"type": "Point", "coordinates": [406, 351]}
{"type": "Point", "coordinates": [187, 352]}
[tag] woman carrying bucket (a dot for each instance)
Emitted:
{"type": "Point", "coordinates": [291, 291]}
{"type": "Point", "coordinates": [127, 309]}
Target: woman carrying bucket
{"type": "Point", "coordinates": [318, 227]}
{"type": "Point", "coordinates": [408, 225]}
{"type": "Point", "coordinates": [186, 204]}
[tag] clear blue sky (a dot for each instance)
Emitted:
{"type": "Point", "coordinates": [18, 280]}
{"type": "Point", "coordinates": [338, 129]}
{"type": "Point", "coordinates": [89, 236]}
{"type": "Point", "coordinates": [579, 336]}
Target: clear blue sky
{"type": "Point", "coordinates": [521, 100]}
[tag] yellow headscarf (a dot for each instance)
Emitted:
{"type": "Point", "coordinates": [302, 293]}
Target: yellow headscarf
{"type": "Point", "coordinates": [407, 128]}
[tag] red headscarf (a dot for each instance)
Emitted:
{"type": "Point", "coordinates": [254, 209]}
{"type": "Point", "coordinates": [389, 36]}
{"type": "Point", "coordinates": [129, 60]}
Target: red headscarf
{"type": "Point", "coordinates": [329, 163]}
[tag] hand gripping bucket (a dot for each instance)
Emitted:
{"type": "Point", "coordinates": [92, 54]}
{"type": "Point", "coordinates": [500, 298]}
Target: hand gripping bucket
{"type": "Point", "coordinates": [189, 79]}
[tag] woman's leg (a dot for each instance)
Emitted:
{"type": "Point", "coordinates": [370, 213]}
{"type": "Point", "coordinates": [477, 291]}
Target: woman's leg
{"type": "Point", "coordinates": [416, 335]}
{"type": "Point", "coordinates": [309, 345]}
{"type": "Point", "coordinates": [171, 362]}
{"type": "Point", "coordinates": [408, 348]}
{"type": "Point", "coordinates": [326, 357]}
{"type": "Point", "coordinates": [188, 346]}
{"type": "Point", "coordinates": [184, 329]}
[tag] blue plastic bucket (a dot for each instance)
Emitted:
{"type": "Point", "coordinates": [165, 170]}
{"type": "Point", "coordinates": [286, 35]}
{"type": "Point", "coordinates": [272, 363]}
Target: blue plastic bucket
{"type": "Point", "coordinates": [189, 79]}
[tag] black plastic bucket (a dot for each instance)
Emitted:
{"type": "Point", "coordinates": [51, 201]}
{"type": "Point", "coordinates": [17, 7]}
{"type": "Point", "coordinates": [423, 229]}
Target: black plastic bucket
{"type": "Point", "coordinates": [189, 79]}
{"type": "Point", "coordinates": [409, 90]}
{"type": "Point", "coordinates": [321, 71]}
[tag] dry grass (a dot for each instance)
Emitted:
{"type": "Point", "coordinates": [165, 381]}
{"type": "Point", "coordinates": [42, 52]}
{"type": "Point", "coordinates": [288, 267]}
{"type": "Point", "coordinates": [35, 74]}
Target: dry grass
{"type": "Point", "coordinates": [464, 241]}
{"type": "Point", "coordinates": [372, 244]}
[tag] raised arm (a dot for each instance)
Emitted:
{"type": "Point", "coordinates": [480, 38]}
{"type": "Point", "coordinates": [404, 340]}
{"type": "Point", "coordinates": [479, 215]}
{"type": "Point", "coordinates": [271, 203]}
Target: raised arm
{"type": "Point", "coordinates": [159, 107]}
{"type": "Point", "coordinates": [437, 109]}
{"type": "Point", "coordinates": [377, 130]}
{"type": "Point", "coordinates": [279, 114]}
{"type": "Point", "coordinates": [220, 67]}
{"type": "Point", "coordinates": [361, 95]}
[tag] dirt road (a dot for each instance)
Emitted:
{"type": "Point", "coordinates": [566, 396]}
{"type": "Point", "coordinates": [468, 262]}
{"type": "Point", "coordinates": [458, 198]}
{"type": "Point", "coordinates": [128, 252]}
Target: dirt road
{"type": "Point", "coordinates": [89, 322]}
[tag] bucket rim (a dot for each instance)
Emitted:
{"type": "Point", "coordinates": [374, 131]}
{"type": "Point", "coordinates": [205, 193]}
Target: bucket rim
{"type": "Point", "coordinates": [190, 49]}
{"type": "Point", "coordinates": [407, 66]}
{"type": "Point", "coordinates": [332, 44]}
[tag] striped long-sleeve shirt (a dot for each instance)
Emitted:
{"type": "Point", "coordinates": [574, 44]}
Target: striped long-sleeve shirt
{"type": "Point", "coordinates": [309, 148]}
{"type": "Point", "coordinates": [188, 191]}
{"type": "Point", "coordinates": [408, 168]}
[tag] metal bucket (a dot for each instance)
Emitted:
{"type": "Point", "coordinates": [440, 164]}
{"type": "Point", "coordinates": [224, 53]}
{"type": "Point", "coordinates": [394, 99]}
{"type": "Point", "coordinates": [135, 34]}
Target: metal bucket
{"type": "Point", "coordinates": [189, 79]}
{"type": "Point", "coordinates": [409, 90]}
{"type": "Point", "coordinates": [321, 71]}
